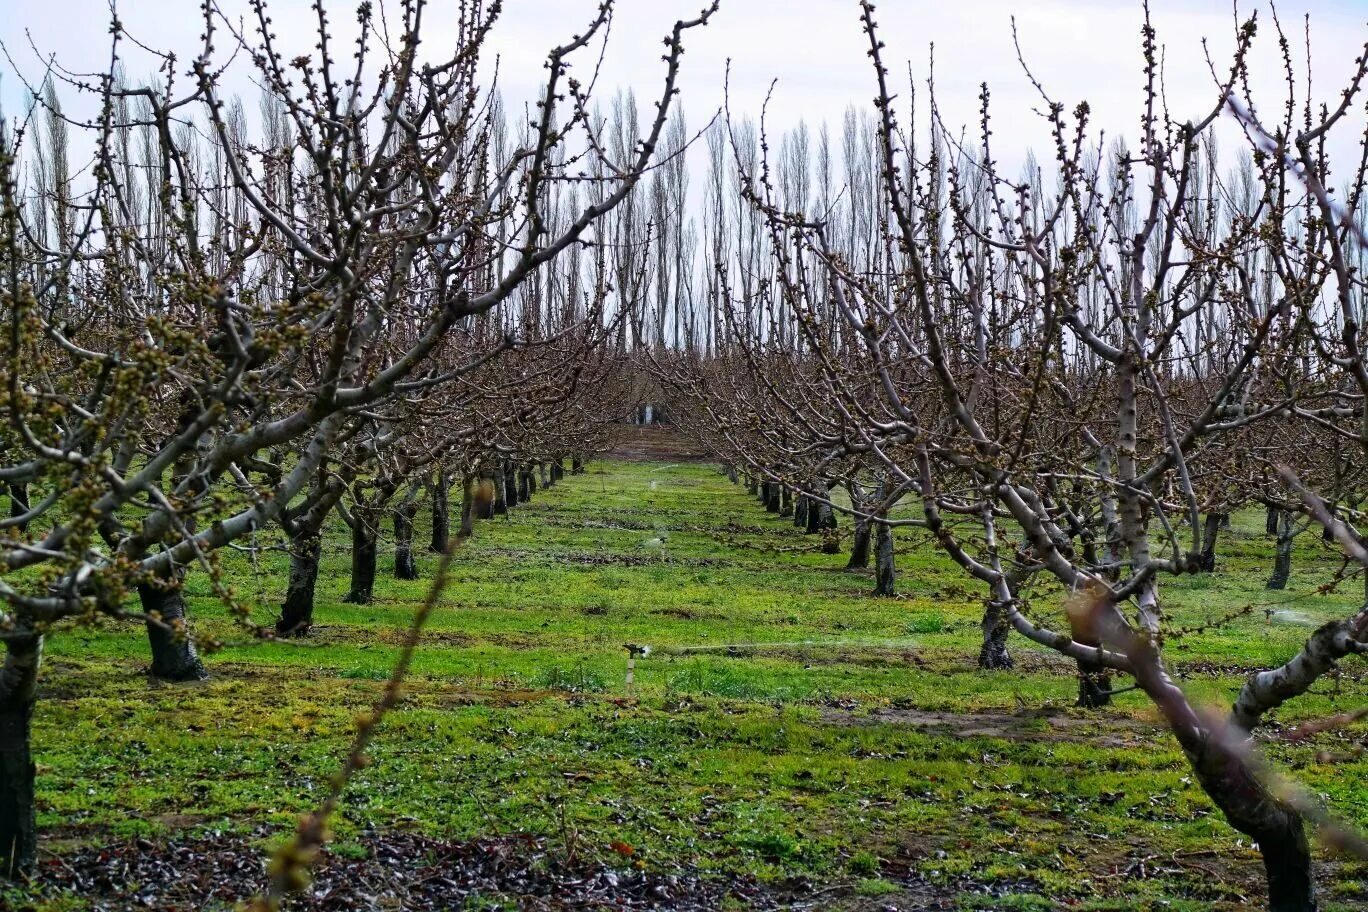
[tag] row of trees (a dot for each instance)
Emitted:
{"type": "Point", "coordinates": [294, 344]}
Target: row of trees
{"type": "Point", "coordinates": [1077, 373]}
{"type": "Point", "coordinates": [215, 339]}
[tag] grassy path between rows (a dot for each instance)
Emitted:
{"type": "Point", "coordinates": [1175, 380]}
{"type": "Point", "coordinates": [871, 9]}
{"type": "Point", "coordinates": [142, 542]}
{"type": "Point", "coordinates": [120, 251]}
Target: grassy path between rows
{"type": "Point", "coordinates": [866, 756]}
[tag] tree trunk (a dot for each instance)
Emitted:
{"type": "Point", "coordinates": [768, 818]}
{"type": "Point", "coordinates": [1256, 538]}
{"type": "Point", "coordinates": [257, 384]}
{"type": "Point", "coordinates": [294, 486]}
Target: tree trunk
{"type": "Point", "coordinates": [510, 485]}
{"type": "Point", "coordinates": [993, 654]}
{"type": "Point", "coordinates": [576, 465]}
{"type": "Point", "coordinates": [296, 615]}
{"type": "Point", "coordinates": [18, 811]}
{"type": "Point", "coordinates": [785, 501]}
{"type": "Point", "coordinates": [174, 657]}
{"type": "Point", "coordinates": [557, 469]}
{"type": "Point", "coordinates": [820, 517]}
{"type": "Point", "coordinates": [1211, 529]}
{"type": "Point", "coordinates": [1271, 521]}
{"type": "Point", "coordinates": [800, 511]}
{"type": "Point", "coordinates": [542, 475]}
{"type": "Point", "coordinates": [1094, 681]}
{"type": "Point", "coordinates": [731, 474]}
{"type": "Point", "coordinates": [19, 503]}
{"type": "Point", "coordinates": [1236, 789]}
{"type": "Point", "coordinates": [500, 493]}
{"type": "Point", "coordinates": [859, 548]}
{"type": "Point", "coordinates": [752, 486]}
{"type": "Point", "coordinates": [1287, 865]}
{"type": "Point", "coordinates": [1282, 556]}
{"type": "Point", "coordinates": [467, 507]}
{"type": "Point", "coordinates": [441, 514]}
{"type": "Point", "coordinates": [365, 536]}
{"type": "Point", "coordinates": [405, 567]}
{"type": "Point", "coordinates": [772, 501]}
{"type": "Point", "coordinates": [884, 573]}
{"type": "Point", "coordinates": [485, 498]}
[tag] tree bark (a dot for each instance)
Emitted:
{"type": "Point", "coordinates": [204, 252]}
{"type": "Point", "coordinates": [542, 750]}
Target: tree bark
{"type": "Point", "coordinates": [1267, 690]}
{"type": "Point", "coordinates": [557, 469]}
{"type": "Point", "coordinates": [542, 475]}
{"type": "Point", "coordinates": [993, 654]}
{"type": "Point", "coordinates": [772, 500]}
{"type": "Point", "coordinates": [174, 657]}
{"type": "Point", "coordinates": [859, 549]}
{"type": "Point", "coordinates": [1211, 530]}
{"type": "Point", "coordinates": [820, 517]}
{"type": "Point", "coordinates": [405, 567]}
{"type": "Point", "coordinates": [18, 810]}
{"type": "Point", "coordinates": [885, 574]}
{"type": "Point", "coordinates": [296, 615]}
{"type": "Point", "coordinates": [441, 514]}
{"type": "Point", "coordinates": [800, 511]}
{"type": "Point", "coordinates": [1282, 555]}
{"type": "Point", "coordinates": [510, 476]}
{"type": "Point", "coordinates": [786, 501]}
{"type": "Point", "coordinates": [500, 492]}
{"type": "Point", "coordinates": [365, 541]}
{"type": "Point", "coordinates": [576, 465]}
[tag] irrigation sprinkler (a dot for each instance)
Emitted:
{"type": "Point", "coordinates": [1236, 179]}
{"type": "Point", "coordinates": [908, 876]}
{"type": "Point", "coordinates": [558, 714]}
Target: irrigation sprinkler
{"type": "Point", "coordinates": [634, 651]}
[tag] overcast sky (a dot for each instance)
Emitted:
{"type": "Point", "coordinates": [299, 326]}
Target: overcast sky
{"type": "Point", "coordinates": [1080, 49]}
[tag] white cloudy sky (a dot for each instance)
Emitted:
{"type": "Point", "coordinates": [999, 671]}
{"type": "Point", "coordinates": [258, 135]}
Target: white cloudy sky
{"type": "Point", "coordinates": [1080, 49]}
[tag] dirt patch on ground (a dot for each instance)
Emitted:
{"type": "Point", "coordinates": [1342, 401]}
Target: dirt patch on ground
{"type": "Point", "coordinates": [401, 871]}
{"type": "Point", "coordinates": [1112, 731]}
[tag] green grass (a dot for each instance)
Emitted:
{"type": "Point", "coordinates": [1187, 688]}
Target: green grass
{"type": "Point", "coordinates": [843, 756]}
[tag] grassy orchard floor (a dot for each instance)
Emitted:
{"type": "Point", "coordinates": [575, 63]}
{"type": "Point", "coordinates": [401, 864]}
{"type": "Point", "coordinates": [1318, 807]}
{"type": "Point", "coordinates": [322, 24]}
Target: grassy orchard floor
{"type": "Point", "coordinates": [871, 766]}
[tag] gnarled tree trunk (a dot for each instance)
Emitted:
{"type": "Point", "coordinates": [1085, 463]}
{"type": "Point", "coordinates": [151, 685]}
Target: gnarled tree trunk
{"type": "Point", "coordinates": [174, 657]}
{"type": "Point", "coordinates": [365, 542]}
{"type": "Point", "coordinates": [800, 511]}
{"type": "Point", "coordinates": [993, 654]}
{"type": "Point", "coordinates": [786, 501]}
{"type": "Point", "coordinates": [296, 615]}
